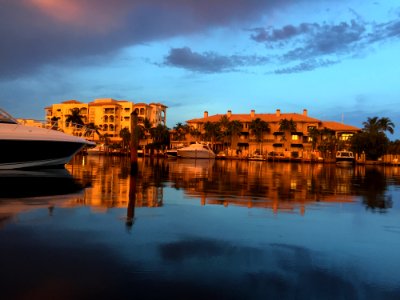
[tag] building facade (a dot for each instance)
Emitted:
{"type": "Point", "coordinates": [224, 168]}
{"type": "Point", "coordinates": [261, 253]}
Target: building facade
{"type": "Point", "coordinates": [305, 135]}
{"type": "Point", "coordinates": [107, 115]}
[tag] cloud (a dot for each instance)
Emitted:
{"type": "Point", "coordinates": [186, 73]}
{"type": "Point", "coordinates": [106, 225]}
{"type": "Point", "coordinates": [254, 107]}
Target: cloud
{"type": "Point", "coordinates": [209, 62]}
{"type": "Point", "coordinates": [42, 32]}
{"type": "Point", "coordinates": [315, 45]}
{"type": "Point", "coordinates": [305, 66]}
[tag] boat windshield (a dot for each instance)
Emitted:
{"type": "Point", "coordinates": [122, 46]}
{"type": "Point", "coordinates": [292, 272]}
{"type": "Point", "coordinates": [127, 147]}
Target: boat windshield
{"type": "Point", "coordinates": [5, 117]}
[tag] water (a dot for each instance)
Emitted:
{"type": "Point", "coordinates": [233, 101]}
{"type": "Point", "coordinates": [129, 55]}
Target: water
{"type": "Point", "coordinates": [186, 229]}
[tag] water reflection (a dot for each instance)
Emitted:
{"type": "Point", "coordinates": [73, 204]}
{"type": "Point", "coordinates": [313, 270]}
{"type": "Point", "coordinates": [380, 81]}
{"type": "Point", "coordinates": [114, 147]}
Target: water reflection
{"type": "Point", "coordinates": [183, 229]}
{"type": "Point", "coordinates": [35, 183]}
{"type": "Point", "coordinates": [281, 187]}
{"type": "Point", "coordinates": [105, 182]}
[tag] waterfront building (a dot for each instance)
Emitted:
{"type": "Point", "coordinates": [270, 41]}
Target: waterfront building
{"type": "Point", "coordinates": [301, 138]}
{"type": "Point", "coordinates": [108, 116]}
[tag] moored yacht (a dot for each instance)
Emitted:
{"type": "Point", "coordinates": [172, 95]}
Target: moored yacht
{"type": "Point", "coordinates": [345, 157]}
{"type": "Point", "coordinates": [196, 150]}
{"type": "Point", "coordinates": [25, 146]}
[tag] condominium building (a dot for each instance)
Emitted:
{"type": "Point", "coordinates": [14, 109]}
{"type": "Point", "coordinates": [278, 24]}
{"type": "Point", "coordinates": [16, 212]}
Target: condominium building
{"type": "Point", "coordinates": [108, 115]}
{"type": "Point", "coordinates": [299, 137]}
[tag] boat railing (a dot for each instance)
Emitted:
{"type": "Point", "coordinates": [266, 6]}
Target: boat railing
{"type": "Point", "coordinates": [73, 128]}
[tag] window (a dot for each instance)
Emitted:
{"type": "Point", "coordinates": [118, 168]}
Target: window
{"type": "Point", "coordinates": [295, 137]}
{"type": "Point", "coordinates": [345, 136]}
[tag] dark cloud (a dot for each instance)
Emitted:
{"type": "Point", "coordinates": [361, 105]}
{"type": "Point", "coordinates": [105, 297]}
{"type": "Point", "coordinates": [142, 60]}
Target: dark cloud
{"type": "Point", "coordinates": [35, 33]}
{"type": "Point", "coordinates": [272, 35]}
{"type": "Point", "coordinates": [315, 45]}
{"type": "Point", "coordinates": [305, 66]}
{"type": "Point", "coordinates": [305, 47]}
{"type": "Point", "coordinates": [314, 39]}
{"type": "Point", "coordinates": [209, 62]}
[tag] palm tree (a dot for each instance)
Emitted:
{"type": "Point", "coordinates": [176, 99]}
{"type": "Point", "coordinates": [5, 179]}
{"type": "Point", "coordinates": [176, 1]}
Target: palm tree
{"type": "Point", "coordinates": [287, 126]}
{"type": "Point", "coordinates": [258, 127]}
{"type": "Point", "coordinates": [75, 117]}
{"type": "Point", "coordinates": [160, 136]}
{"type": "Point", "coordinates": [372, 140]}
{"type": "Point", "coordinates": [194, 132]}
{"type": "Point", "coordinates": [212, 132]}
{"type": "Point", "coordinates": [314, 134]}
{"type": "Point", "coordinates": [224, 128]}
{"type": "Point", "coordinates": [54, 122]}
{"type": "Point", "coordinates": [376, 125]}
{"type": "Point", "coordinates": [329, 143]}
{"type": "Point", "coordinates": [91, 129]}
{"type": "Point", "coordinates": [126, 138]}
{"type": "Point", "coordinates": [234, 129]}
{"type": "Point", "coordinates": [180, 132]}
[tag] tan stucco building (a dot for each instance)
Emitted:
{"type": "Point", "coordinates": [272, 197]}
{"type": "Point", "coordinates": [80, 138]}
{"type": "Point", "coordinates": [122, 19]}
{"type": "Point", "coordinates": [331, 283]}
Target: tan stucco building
{"type": "Point", "coordinates": [274, 140]}
{"type": "Point", "coordinates": [110, 116]}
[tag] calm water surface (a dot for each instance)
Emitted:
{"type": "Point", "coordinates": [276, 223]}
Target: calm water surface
{"type": "Point", "coordinates": [186, 229]}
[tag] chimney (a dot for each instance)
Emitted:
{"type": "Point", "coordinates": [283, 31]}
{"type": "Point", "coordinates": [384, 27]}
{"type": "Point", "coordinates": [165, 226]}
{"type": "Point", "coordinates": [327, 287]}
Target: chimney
{"type": "Point", "coordinates": [229, 114]}
{"type": "Point", "coordinates": [205, 114]}
{"type": "Point", "coordinates": [252, 113]}
{"type": "Point", "coordinates": [305, 112]}
{"type": "Point", "coordinates": [278, 112]}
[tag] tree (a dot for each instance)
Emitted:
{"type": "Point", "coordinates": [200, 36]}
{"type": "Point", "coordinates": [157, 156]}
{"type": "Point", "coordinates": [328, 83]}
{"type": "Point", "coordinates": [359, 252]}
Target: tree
{"type": "Point", "coordinates": [372, 139]}
{"type": "Point", "coordinates": [75, 117]}
{"type": "Point", "coordinates": [194, 132]}
{"type": "Point", "coordinates": [54, 122]}
{"type": "Point", "coordinates": [180, 132]}
{"type": "Point", "coordinates": [91, 129]}
{"type": "Point", "coordinates": [287, 126]}
{"type": "Point", "coordinates": [212, 131]}
{"type": "Point", "coordinates": [314, 134]}
{"type": "Point", "coordinates": [126, 138]}
{"type": "Point", "coordinates": [329, 143]}
{"type": "Point", "coordinates": [257, 128]}
{"type": "Point", "coordinates": [234, 129]}
{"type": "Point", "coordinates": [376, 125]}
{"type": "Point", "coordinates": [223, 124]}
{"type": "Point", "coordinates": [160, 136]}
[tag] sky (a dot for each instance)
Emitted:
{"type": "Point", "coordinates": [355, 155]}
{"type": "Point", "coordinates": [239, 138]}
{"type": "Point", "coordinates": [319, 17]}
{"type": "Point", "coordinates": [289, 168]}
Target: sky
{"type": "Point", "coordinates": [337, 59]}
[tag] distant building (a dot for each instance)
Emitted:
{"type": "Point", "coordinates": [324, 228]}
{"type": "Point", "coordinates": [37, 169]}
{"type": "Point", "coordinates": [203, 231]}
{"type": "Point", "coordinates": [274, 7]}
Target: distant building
{"type": "Point", "coordinates": [302, 138]}
{"type": "Point", "coordinates": [109, 116]}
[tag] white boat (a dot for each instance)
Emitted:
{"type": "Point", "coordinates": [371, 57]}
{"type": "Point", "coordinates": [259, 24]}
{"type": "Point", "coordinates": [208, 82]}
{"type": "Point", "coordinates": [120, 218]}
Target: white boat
{"type": "Point", "coordinates": [196, 150]}
{"type": "Point", "coordinates": [345, 157]}
{"type": "Point", "coordinates": [25, 146]}
{"type": "Point", "coordinates": [97, 149]}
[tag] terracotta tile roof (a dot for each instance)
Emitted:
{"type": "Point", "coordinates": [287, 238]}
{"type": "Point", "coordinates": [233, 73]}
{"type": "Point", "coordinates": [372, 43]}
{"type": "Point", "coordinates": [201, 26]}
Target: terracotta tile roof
{"type": "Point", "coordinates": [270, 118]}
{"type": "Point", "coordinates": [105, 103]}
{"type": "Point", "coordinates": [339, 126]}
{"type": "Point", "coordinates": [71, 102]}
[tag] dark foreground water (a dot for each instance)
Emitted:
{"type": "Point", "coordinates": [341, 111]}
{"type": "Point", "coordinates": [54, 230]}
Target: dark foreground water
{"type": "Point", "coordinates": [185, 229]}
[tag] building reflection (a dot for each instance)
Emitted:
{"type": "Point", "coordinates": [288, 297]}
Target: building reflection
{"type": "Point", "coordinates": [104, 182]}
{"type": "Point", "coordinates": [281, 187]}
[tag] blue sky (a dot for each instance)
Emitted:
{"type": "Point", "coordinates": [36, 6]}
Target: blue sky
{"type": "Point", "coordinates": [337, 59]}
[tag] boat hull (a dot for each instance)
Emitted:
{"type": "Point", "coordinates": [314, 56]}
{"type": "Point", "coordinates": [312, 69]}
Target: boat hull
{"type": "Point", "coordinates": [17, 154]}
{"type": "Point", "coordinates": [195, 154]}
{"type": "Point", "coordinates": [23, 147]}
{"type": "Point", "coordinates": [345, 161]}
